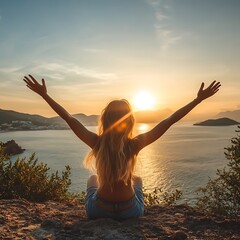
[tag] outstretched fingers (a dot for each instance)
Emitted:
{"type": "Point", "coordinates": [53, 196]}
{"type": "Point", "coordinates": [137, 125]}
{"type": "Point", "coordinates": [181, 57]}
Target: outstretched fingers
{"type": "Point", "coordinates": [34, 85]}
{"type": "Point", "coordinates": [209, 91]}
{"type": "Point", "coordinates": [43, 83]}
{"type": "Point", "coordinates": [33, 79]}
{"type": "Point", "coordinates": [216, 86]}
{"type": "Point", "coordinates": [201, 87]}
{"type": "Point", "coordinates": [215, 91]}
{"type": "Point", "coordinates": [31, 83]}
{"type": "Point", "coordinates": [212, 84]}
{"type": "Point", "coordinates": [27, 81]}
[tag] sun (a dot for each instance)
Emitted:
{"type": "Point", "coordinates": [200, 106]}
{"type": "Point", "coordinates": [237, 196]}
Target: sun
{"type": "Point", "coordinates": [143, 101]}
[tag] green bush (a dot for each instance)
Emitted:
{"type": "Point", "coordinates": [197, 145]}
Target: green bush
{"type": "Point", "coordinates": [29, 179]}
{"type": "Point", "coordinates": [222, 194]}
{"type": "Point", "coordinates": [157, 197]}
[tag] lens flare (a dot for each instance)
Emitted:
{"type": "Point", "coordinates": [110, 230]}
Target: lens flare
{"type": "Point", "coordinates": [144, 101]}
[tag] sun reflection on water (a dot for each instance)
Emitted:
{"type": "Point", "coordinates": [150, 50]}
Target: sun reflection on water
{"type": "Point", "coordinates": [151, 165]}
{"type": "Point", "coordinates": [142, 127]}
{"type": "Point", "coordinates": [151, 168]}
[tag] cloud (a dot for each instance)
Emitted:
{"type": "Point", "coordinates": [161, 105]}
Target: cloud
{"type": "Point", "coordinates": [8, 75]}
{"type": "Point", "coordinates": [94, 50]}
{"type": "Point", "coordinates": [9, 69]}
{"type": "Point", "coordinates": [59, 71]}
{"type": "Point", "coordinates": [164, 31]}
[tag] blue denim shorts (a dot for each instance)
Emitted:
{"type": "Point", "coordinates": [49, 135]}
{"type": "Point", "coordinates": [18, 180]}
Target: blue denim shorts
{"type": "Point", "coordinates": [97, 207]}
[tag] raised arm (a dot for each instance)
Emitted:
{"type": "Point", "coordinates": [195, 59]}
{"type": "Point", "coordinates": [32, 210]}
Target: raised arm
{"type": "Point", "coordinates": [147, 138]}
{"type": "Point", "coordinates": [83, 133]}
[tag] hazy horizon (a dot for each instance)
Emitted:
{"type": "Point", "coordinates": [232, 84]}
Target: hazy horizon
{"type": "Point", "coordinates": [91, 52]}
{"type": "Point", "coordinates": [149, 116]}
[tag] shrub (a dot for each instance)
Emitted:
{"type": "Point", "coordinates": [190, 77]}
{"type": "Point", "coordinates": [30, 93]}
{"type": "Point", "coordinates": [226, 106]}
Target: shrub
{"type": "Point", "coordinates": [222, 194]}
{"type": "Point", "coordinates": [30, 179]}
{"type": "Point", "coordinates": [157, 197]}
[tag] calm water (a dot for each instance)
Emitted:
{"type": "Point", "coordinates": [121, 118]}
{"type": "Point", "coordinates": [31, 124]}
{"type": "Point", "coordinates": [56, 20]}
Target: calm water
{"type": "Point", "coordinates": [184, 158]}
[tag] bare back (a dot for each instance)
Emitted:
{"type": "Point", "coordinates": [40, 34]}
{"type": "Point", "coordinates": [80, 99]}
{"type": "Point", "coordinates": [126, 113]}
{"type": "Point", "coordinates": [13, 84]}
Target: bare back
{"type": "Point", "coordinates": [121, 192]}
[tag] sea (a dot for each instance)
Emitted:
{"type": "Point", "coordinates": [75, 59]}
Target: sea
{"type": "Point", "coordinates": [184, 158]}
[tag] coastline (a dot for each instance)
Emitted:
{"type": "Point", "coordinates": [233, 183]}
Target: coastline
{"type": "Point", "coordinates": [40, 129]}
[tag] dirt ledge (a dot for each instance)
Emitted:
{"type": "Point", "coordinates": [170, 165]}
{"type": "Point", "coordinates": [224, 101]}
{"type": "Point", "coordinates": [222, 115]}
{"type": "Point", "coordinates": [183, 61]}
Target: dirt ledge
{"type": "Point", "coordinates": [20, 219]}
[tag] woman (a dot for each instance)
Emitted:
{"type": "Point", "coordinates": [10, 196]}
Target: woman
{"type": "Point", "coordinates": [114, 191]}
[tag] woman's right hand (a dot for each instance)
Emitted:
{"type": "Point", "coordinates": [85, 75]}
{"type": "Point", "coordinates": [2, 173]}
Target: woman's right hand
{"type": "Point", "coordinates": [33, 84]}
{"type": "Point", "coordinates": [209, 91]}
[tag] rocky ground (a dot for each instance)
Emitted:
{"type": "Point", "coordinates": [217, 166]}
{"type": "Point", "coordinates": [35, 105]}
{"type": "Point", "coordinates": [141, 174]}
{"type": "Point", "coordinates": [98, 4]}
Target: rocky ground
{"type": "Point", "coordinates": [20, 219]}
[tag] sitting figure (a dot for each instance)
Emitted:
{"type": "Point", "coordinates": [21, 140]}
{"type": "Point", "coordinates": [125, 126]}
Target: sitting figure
{"type": "Point", "coordinates": [115, 192]}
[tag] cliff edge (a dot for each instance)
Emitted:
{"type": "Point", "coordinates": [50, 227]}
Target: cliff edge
{"type": "Point", "coordinates": [20, 219]}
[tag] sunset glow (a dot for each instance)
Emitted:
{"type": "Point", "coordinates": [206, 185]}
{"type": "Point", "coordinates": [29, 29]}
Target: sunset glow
{"type": "Point", "coordinates": [144, 101]}
{"type": "Point", "coordinates": [90, 52]}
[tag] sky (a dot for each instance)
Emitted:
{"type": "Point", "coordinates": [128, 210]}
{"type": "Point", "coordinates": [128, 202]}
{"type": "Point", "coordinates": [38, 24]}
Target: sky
{"type": "Point", "coordinates": [93, 51]}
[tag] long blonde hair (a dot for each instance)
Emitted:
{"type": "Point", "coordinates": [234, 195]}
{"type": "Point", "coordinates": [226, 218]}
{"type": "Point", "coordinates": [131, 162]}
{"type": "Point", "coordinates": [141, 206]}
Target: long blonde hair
{"type": "Point", "coordinates": [113, 158]}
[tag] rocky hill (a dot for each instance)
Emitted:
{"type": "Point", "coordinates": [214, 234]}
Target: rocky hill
{"type": "Point", "coordinates": [7, 116]}
{"type": "Point", "coordinates": [91, 120]}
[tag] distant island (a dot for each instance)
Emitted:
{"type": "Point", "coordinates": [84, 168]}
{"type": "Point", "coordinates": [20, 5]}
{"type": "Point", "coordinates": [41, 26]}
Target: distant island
{"type": "Point", "coordinates": [217, 122]}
